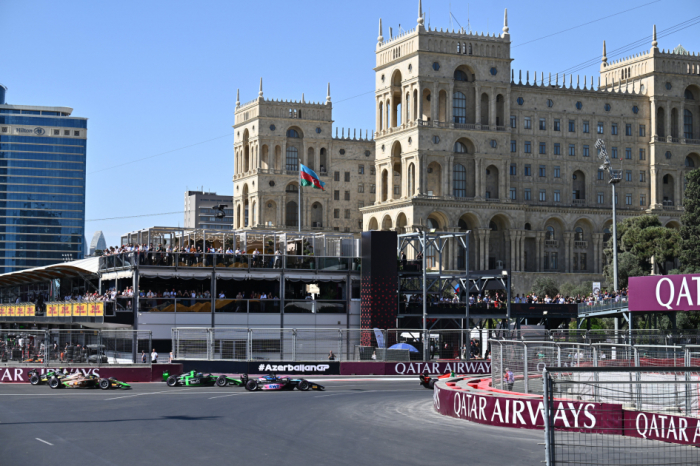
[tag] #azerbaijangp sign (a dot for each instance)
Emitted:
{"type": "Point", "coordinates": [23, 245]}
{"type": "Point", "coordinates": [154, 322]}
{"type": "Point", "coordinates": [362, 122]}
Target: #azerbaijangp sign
{"type": "Point", "coordinates": [665, 293]}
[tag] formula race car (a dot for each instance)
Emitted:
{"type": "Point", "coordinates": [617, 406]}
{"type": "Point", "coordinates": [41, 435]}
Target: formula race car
{"type": "Point", "coordinates": [40, 379]}
{"type": "Point", "coordinates": [272, 382]}
{"type": "Point", "coordinates": [79, 380]}
{"type": "Point", "coordinates": [429, 382]}
{"type": "Point", "coordinates": [197, 379]}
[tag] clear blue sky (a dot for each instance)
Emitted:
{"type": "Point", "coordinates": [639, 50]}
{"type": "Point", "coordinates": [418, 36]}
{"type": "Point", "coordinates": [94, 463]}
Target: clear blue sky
{"type": "Point", "coordinates": [153, 76]}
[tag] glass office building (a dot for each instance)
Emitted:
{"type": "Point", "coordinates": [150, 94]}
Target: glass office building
{"type": "Point", "coordinates": [42, 185]}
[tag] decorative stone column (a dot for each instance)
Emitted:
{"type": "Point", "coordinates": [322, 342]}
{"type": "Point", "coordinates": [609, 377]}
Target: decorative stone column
{"type": "Point", "coordinates": [539, 246]}
{"type": "Point", "coordinates": [568, 251]}
{"type": "Point", "coordinates": [477, 104]}
{"type": "Point", "coordinates": [521, 263]}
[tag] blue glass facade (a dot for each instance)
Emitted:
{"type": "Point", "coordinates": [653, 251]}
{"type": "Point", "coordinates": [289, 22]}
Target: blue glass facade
{"type": "Point", "coordinates": [42, 188]}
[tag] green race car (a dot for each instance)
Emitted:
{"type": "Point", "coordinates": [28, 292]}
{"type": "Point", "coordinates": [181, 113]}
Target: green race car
{"type": "Point", "coordinates": [198, 379]}
{"type": "Point", "coordinates": [87, 381]}
{"type": "Point", "coordinates": [35, 378]}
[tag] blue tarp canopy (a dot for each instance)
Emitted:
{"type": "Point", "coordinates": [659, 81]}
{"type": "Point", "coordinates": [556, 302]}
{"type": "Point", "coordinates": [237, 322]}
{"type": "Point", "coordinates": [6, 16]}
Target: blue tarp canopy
{"type": "Point", "coordinates": [404, 346]}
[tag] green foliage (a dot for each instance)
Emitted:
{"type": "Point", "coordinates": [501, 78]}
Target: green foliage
{"type": "Point", "coordinates": [690, 229]}
{"type": "Point", "coordinates": [571, 289]}
{"type": "Point", "coordinates": [545, 286]}
{"type": "Point", "coordinates": [639, 239]}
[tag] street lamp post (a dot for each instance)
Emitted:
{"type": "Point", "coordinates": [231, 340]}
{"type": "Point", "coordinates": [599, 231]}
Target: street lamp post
{"type": "Point", "coordinates": [615, 177]}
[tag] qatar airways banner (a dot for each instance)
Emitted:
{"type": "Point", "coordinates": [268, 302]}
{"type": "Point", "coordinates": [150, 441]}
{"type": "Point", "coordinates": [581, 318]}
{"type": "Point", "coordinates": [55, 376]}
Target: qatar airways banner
{"type": "Point", "coordinates": [665, 293]}
{"type": "Point", "coordinates": [528, 413]}
{"type": "Point", "coordinates": [664, 427]}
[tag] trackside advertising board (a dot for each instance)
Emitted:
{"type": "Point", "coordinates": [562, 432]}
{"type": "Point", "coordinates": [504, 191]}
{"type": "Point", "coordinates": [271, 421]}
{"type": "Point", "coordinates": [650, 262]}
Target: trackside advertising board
{"type": "Point", "coordinates": [665, 293]}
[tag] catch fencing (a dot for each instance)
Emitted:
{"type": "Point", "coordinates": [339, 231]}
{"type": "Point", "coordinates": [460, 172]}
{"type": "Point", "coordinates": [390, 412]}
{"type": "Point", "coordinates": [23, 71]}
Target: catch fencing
{"type": "Point", "coordinates": [650, 416]}
{"type": "Point", "coordinates": [527, 359]}
{"type": "Point", "coordinates": [317, 344]}
{"type": "Point", "coordinates": [71, 347]}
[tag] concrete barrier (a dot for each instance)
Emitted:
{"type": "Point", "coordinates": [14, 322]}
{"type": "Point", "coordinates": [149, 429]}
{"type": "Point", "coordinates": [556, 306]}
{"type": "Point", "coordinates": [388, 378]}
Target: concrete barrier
{"type": "Point", "coordinates": [476, 367]}
{"type": "Point", "coordinates": [527, 412]}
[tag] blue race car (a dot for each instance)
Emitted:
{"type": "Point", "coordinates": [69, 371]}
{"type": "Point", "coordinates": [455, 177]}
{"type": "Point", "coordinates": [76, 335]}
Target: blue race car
{"type": "Point", "coordinates": [272, 382]}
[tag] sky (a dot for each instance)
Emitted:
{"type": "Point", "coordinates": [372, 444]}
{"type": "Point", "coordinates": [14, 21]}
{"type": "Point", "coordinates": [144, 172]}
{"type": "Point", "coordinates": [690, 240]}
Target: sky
{"type": "Point", "coordinates": [158, 79]}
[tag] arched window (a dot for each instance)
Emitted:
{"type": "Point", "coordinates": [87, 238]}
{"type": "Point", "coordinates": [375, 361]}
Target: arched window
{"type": "Point", "coordinates": [459, 107]}
{"type": "Point", "coordinates": [292, 133]}
{"type": "Point", "coordinates": [550, 233]}
{"type": "Point", "coordinates": [291, 188]}
{"type": "Point", "coordinates": [579, 234]}
{"type": "Point", "coordinates": [689, 94]}
{"type": "Point", "coordinates": [689, 162]}
{"type": "Point", "coordinates": [688, 123]}
{"type": "Point", "coordinates": [493, 226]}
{"type": "Point", "coordinates": [606, 235]}
{"type": "Point", "coordinates": [459, 185]}
{"type": "Point", "coordinates": [460, 148]}
{"type": "Point", "coordinates": [292, 159]}
{"type": "Point", "coordinates": [461, 75]}
{"type": "Point", "coordinates": [528, 227]}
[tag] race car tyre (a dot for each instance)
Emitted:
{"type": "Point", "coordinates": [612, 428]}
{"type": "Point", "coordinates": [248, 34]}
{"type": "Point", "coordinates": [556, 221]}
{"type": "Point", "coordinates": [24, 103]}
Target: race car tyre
{"type": "Point", "coordinates": [172, 381]}
{"type": "Point", "coordinates": [221, 381]}
{"type": "Point", "coordinates": [34, 380]}
{"type": "Point", "coordinates": [304, 385]}
{"type": "Point", "coordinates": [54, 382]}
{"type": "Point", "coordinates": [431, 384]}
{"type": "Point", "coordinates": [251, 385]}
{"type": "Point", "coordinates": [105, 384]}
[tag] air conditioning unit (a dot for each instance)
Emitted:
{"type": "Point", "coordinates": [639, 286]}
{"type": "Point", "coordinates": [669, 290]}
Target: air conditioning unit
{"type": "Point", "coordinates": [430, 193]}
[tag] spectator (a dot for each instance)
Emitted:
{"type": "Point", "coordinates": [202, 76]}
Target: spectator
{"type": "Point", "coordinates": [154, 356]}
{"type": "Point", "coordinates": [509, 379]}
{"type": "Point", "coordinates": [143, 356]}
{"type": "Point", "coordinates": [331, 356]}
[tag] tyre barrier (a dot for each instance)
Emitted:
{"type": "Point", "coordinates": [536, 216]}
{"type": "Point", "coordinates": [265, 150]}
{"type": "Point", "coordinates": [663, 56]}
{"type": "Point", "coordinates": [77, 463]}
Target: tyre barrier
{"type": "Point", "coordinates": [527, 412]}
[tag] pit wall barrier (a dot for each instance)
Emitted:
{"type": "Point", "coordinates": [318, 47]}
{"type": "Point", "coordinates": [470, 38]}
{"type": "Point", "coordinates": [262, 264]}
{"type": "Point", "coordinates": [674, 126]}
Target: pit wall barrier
{"type": "Point", "coordinates": [338, 368]}
{"type": "Point", "coordinates": [527, 412]}
{"type": "Point", "coordinates": [150, 373]}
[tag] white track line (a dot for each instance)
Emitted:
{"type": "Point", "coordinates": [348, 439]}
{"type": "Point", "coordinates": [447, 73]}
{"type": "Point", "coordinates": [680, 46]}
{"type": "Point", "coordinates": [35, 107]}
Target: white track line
{"type": "Point", "coordinates": [44, 441]}
{"type": "Point", "coordinates": [224, 396]}
{"type": "Point", "coordinates": [138, 394]}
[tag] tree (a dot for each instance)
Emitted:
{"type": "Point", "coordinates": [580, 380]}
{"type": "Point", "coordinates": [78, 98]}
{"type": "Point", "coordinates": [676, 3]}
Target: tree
{"type": "Point", "coordinates": [571, 289]}
{"type": "Point", "coordinates": [639, 240]}
{"type": "Point", "coordinates": [690, 229]}
{"type": "Point", "coordinates": [545, 286]}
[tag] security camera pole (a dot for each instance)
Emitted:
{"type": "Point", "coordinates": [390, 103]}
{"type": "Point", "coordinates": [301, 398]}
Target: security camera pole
{"type": "Point", "coordinates": [615, 177]}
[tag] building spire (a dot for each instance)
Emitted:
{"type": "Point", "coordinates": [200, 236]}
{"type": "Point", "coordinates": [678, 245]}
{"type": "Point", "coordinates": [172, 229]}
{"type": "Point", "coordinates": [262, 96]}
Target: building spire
{"type": "Point", "coordinates": [420, 12]}
{"type": "Point", "coordinates": [380, 38]}
{"type": "Point", "coordinates": [328, 94]}
{"type": "Point", "coordinates": [238, 97]}
{"type": "Point", "coordinates": [605, 54]}
{"type": "Point", "coordinates": [505, 22]}
{"type": "Point", "coordinates": [260, 93]}
{"type": "Point", "coordinates": [654, 43]}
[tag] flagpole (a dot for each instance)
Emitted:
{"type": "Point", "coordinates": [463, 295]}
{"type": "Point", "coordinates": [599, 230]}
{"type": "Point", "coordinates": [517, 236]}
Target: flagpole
{"type": "Point", "coordinates": [299, 219]}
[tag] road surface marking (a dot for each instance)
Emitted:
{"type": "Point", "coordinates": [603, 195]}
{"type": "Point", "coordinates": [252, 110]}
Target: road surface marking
{"type": "Point", "coordinates": [224, 396]}
{"type": "Point", "coordinates": [44, 441]}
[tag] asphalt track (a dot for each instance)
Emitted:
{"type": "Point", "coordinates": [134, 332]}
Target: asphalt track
{"type": "Point", "coordinates": [355, 421]}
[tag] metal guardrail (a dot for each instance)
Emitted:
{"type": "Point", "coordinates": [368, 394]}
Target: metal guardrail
{"type": "Point", "coordinates": [182, 260]}
{"type": "Point", "coordinates": [527, 359]}
{"type": "Point", "coordinates": [315, 344]}
{"type": "Point", "coordinates": [52, 347]}
{"type": "Point", "coordinates": [651, 417]}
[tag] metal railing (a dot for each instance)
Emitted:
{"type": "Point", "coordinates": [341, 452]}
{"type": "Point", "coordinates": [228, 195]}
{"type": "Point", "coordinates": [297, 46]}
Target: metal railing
{"type": "Point", "coordinates": [315, 344]}
{"type": "Point", "coordinates": [650, 417]}
{"type": "Point", "coordinates": [518, 365]}
{"type": "Point", "coordinates": [179, 260]}
{"type": "Point", "coordinates": [54, 347]}
{"type": "Point", "coordinates": [270, 305]}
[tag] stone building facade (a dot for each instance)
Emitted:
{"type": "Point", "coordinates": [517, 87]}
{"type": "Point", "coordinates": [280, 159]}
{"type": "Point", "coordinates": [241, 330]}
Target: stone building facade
{"type": "Point", "coordinates": [462, 143]}
{"type": "Point", "coordinates": [271, 139]}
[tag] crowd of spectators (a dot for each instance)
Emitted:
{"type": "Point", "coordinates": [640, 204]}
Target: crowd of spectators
{"type": "Point", "coordinates": [604, 297]}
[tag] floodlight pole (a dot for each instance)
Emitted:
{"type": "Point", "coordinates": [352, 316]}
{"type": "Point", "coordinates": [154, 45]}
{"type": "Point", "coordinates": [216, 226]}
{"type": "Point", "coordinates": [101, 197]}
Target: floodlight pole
{"type": "Point", "coordinates": [614, 179]}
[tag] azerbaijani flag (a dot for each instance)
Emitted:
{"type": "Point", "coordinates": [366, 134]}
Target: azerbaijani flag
{"type": "Point", "coordinates": [308, 177]}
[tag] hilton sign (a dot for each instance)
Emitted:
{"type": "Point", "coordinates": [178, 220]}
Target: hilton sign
{"type": "Point", "coordinates": [37, 131]}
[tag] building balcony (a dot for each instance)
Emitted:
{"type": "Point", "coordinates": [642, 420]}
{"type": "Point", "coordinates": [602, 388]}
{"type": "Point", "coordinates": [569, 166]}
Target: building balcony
{"type": "Point", "coordinates": [578, 202]}
{"type": "Point", "coordinates": [581, 244]}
